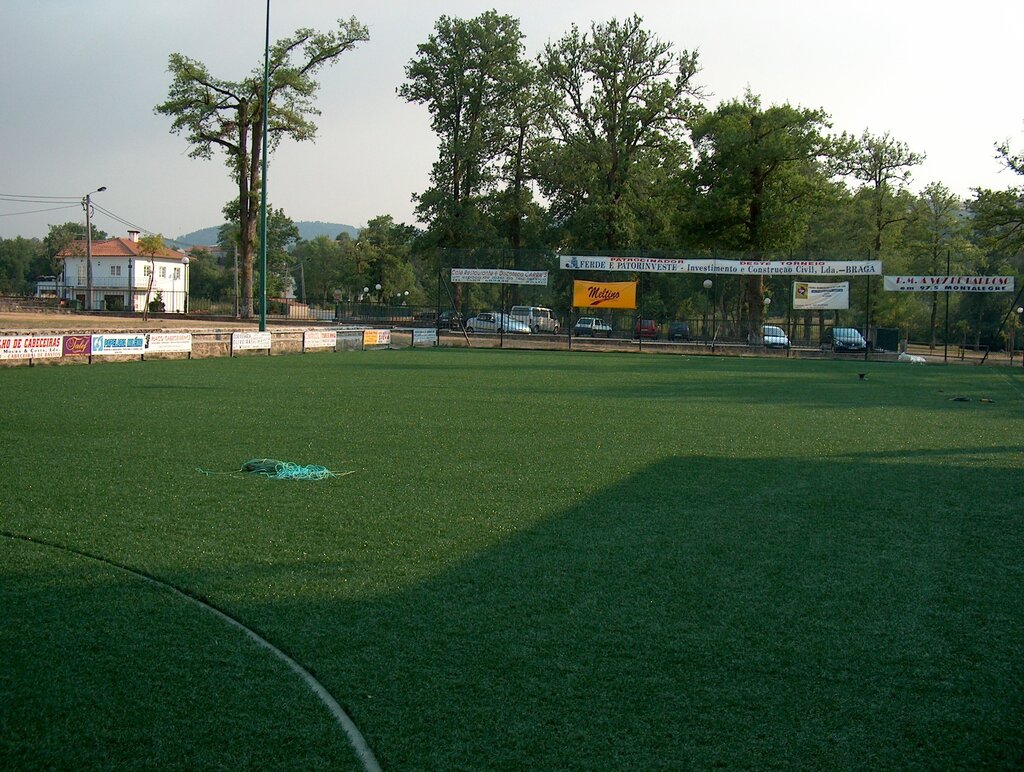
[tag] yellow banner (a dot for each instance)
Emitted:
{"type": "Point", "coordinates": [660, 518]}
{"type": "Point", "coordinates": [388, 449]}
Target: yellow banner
{"type": "Point", "coordinates": [616, 294]}
{"type": "Point", "coordinates": [376, 337]}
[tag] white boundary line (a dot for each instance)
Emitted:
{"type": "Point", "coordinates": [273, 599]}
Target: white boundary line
{"type": "Point", "coordinates": [355, 737]}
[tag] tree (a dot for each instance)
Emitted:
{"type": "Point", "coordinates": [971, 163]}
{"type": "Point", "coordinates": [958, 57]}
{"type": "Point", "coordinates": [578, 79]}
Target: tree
{"type": "Point", "coordinates": [469, 74]}
{"type": "Point", "coordinates": [883, 164]}
{"type": "Point", "coordinates": [383, 250]}
{"type": "Point", "coordinates": [207, 278]}
{"type": "Point", "coordinates": [322, 269]}
{"type": "Point", "coordinates": [152, 246]}
{"type": "Point", "coordinates": [757, 172]}
{"type": "Point", "coordinates": [936, 231]}
{"type": "Point", "coordinates": [18, 259]}
{"type": "Point", "coordinates": [282, 233]}
{"type": "Point", "coordinates": [228, 115]}
{"type": "Point", "coordinates": [999, 214]}
{"type": "Point", "coordinates": [621, 97]}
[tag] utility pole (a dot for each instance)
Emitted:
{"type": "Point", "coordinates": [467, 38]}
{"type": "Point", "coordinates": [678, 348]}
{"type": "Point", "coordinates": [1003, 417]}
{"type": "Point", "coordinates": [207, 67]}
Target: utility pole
{"type": "Point", "coordinates": [87, 205]}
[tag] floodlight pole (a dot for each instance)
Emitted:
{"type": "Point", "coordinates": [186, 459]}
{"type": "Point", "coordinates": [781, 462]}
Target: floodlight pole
{"type": "Point", "coordinates": [263, 178]}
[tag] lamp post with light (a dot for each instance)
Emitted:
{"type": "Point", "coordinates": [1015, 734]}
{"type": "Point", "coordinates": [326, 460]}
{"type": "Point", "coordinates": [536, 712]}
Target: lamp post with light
{"type": "Point", "coordinates": [764, 318]}
{"type": "Point", "coordinates": [184, 270]}
{"type": "Point", "coordinates": [1013, 334]}
{"type": "Point", "coordinates": [87, 205]}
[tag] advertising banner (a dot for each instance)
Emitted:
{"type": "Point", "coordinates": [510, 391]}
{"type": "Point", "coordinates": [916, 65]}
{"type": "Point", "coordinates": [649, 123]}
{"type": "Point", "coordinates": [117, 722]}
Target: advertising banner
{"type": "Point", "coordinates": [498, 276]}
{"type": "Point", "coordinates": [949, 283]}
{"type": "Point", "coordinates": [591, 294]}
{"type": "Point", "coordinates": [31, 346]}
{"type": "Point", "coordinates": [424, 336]}
{"type": "Point", "coordinates": [376, 337]}
{"type": "Point", "coordinates": [169, 342]}
{"type": "Point", "coordinates": [809, 296]}
{"type": "Point", "coordinates": [77, 345]}
{"type": "Point", "coordinates": [242, 341]}
{"type": "Point", "coordinates": [111, 344]}
{"type": "Point", "coordinates": [319, 339]}
{"type": "Point", "coordinates": [728, 267]}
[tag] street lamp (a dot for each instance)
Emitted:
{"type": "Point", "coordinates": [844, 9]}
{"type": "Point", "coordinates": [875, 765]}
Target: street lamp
{"type": "Point", "coordinates": [87, 205]}
{"type": "Point", "coordinates": [184, 304]}
{"type": "Point", "coordinates": [708, 284]}
{"type": "Point", "coordinates": [764, 318]}
{"type": "Point", "coordinates": [1013, 334]}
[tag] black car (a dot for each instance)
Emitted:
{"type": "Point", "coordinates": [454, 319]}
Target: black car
{"type": "Point", "coordinates": [679, 331]}
{"type": "Point", "coordinates": [842, 339]}
{"type": "Point", "coordinates": [449, 319]}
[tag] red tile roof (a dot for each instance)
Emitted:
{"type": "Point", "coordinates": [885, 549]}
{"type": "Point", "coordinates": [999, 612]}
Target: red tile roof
{"type": "Point", "coordinates": [121, 247]}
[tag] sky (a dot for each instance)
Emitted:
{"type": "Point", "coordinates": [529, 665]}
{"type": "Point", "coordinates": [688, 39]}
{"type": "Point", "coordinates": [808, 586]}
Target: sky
{"type": "Point", "coordinates": [79, 80]}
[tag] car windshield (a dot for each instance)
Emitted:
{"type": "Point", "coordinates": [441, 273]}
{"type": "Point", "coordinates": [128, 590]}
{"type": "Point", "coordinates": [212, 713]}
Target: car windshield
{"type": "Point", "coordinates": [776, 331]}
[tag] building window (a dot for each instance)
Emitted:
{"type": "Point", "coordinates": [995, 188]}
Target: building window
{"type": "Point", "coordinates": [146, 270]}
{"type": "Point", "coordinates": [177, 273]}
{"type": "Point", "coordinates": [163, 271]}
{"type": "Point", "coordinates": [81, 274]}
{"type": "Point", "coordinates": [115, 270]}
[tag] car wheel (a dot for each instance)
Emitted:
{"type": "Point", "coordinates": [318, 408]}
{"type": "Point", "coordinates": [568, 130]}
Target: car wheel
{"type": "Point", "coordinates": [469, 329]}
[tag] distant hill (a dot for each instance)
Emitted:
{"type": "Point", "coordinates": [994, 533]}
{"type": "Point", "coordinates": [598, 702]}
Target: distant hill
{"type": "Point", "coordinates": [307, 230]}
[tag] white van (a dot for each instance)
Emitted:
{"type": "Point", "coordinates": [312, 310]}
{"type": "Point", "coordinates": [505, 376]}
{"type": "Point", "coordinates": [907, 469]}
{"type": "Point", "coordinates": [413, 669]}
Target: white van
{"type": "Point", "coordinates": [537, 318]}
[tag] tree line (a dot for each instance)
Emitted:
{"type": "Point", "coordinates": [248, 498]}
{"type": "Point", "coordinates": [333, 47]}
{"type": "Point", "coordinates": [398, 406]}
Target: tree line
{"type": "Point", "coordinates": [604, 142]}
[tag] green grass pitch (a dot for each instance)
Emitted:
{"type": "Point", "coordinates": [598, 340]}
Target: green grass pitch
{"type": "Point", "coordinates": [541, 560]}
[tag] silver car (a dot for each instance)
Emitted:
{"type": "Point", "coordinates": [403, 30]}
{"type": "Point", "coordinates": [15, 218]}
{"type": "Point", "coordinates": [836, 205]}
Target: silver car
{"type": "Point", "coordinates": [488, 321]}
{"type": "Point", "coordinates": [774, 337]}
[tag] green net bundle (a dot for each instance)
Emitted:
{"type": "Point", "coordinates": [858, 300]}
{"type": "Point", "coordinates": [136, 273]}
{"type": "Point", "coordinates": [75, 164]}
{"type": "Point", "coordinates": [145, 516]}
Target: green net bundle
{"type": "Point", "coordinates": [286, 470]}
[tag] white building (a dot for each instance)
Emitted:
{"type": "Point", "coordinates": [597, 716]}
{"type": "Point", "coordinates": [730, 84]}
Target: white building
{"type": "Point", "coordinates": [124, 278]}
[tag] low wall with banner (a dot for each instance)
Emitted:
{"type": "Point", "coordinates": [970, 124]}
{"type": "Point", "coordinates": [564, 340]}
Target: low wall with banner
{"type": "Point", "coordinates": [80, 348]}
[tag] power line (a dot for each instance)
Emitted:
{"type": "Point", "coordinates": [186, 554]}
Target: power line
{"type": "Point", "coordinates": [36, 211]}
{"type": "Point", "coordinates": [37, 199]}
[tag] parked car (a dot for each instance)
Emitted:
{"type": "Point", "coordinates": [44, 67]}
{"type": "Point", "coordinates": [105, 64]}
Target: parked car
{"type": "Point", "coordinates": [537, 318]}
{"type": "Point", "coordinates": [679, 331]}
{"type": "Point", "coordinates": [774, 337]}
{"type": "Point", "coordinates": [591, 326]}
{"type": "Point", "coordinates": [645, 328]}
{"type": "Point", "coordinates": [451, 320]}
{"type": "Point", "coordinates": [844, 339]}
{"type": "Point", "coordinates": [488, 321]}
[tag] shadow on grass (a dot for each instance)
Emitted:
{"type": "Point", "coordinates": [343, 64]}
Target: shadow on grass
{"type": "Point", "coordinates": [704, 612]}
{"type": "Point", "coordinates": [707, 612]}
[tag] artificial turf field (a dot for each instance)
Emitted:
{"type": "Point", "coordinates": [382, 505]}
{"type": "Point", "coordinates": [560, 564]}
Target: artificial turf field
{"type": "Point", "coordinates": [541, 560]}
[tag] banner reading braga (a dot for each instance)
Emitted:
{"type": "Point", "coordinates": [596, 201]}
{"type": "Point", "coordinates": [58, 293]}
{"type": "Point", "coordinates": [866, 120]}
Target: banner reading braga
{"type": "Point", "coordinates": [591, 294]}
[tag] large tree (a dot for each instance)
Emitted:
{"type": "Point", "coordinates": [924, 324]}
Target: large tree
{"type": "Point", "coordinates": [621, 98]}
{"type": "Point", "coordinates": [756, 174]}
{"type": "Point", "coordinates": [469, 73]}
{"type": "Point", "coordinates": [214, 113]}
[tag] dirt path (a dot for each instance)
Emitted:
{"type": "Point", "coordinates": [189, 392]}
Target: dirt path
{"type": "Point", "coordinates": [16, 323]}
